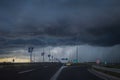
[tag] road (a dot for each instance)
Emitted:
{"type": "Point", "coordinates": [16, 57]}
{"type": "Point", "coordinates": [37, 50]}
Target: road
{"type": "Point", "coordinates": [35, 72]}
{"type": "Point", "coordinates": [77, 73]}
{"type": "Point", "coordinates": [47, 72]}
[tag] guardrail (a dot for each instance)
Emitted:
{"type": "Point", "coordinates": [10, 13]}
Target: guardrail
{"type": "Point", "coordinates": [106, 69]}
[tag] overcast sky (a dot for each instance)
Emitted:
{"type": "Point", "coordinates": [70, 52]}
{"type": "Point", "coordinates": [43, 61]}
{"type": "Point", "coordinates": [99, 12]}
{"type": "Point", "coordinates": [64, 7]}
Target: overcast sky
{"type": "Point", "coordinates": [94, 25]}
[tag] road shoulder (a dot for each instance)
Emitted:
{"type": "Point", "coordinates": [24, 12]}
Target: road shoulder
{"type": "Point", "coordinates": [103, 75]}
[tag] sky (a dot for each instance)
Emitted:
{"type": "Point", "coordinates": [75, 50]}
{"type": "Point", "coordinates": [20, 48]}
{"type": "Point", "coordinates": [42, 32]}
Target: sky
{"type": "Point", "coordinates": [93, 25]}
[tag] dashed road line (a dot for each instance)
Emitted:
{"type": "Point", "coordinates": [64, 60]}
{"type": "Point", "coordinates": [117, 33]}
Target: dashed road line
{"type": "Point", "coordinates": [26, 71]}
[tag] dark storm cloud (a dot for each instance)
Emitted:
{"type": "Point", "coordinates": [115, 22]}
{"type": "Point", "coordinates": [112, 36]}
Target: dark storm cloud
{"type": "Point", "coordinates": [60, 22]}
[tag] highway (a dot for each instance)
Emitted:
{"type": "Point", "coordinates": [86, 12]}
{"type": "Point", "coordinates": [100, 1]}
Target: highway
{"type": "Point", "coordinates": [48, 72]}
{"type": "Point", "coordinates": [77, 73]}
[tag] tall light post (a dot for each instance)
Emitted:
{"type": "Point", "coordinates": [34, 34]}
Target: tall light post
{"type": "Point", "coordinates": [49, 57]}
{"type": "Point", "coordinates": [34, 58]}
{"type": "Point", "coordinates": [77, 48]}
{"type": "Point", "coordinates": [49, 54]}
{"type": "Point", "coordinates": [42, 54]}
{"type": "Point", "coordinates": [52, 58]}
{"type": "Point", "coordinates": [30, 50]}
{"type": "Point", "coordinates": [77, 54]}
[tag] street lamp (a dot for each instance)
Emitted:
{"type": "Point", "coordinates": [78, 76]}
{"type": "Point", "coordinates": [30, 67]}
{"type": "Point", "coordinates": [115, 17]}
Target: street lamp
{"type": "Point", "coordinates": [49, 57]}
{"type": "Point", "coordinates": [30, 50]}
{"type": "Point", "coordinates": [77, 47]}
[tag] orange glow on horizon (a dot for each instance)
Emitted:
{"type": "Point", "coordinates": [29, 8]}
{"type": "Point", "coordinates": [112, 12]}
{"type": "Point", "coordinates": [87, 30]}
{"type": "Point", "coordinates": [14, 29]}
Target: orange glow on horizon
{"type": "Point", "coordinates": [19, 60]}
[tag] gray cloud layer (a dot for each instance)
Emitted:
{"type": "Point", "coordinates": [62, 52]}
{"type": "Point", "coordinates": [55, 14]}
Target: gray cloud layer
{"type": "Point", "coordinates": [59, 22]}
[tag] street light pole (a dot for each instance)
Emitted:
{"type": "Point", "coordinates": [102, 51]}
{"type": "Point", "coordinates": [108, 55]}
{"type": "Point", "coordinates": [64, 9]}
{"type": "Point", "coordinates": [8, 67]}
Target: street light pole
{"type": "Point", "coordinates": [34, 57]}
{"type": "Point", "coordinates": [49, 54]}
{"type": "Point", "coordinates": [30, 50]}
{"type": "Point", "coordinates": [30, 56]}
{"type": "Point", "coordinates": [52, 58]}
{"type": "Point", "coordinates": [77, 46]}
{"type": "Point", "coordinates": [43, 54]}
{"type": "Point", "coordinates": [77, 54]}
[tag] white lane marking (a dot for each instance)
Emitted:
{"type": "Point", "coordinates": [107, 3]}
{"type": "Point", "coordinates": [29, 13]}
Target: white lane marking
{"type": "Point", "coordinates": [21, 72]}
{"type": "Point", "coordinates": [55, 76]}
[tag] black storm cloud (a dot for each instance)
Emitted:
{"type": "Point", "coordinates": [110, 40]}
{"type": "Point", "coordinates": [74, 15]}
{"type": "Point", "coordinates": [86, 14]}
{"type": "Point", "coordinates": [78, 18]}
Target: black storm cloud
{"type": "Point", "coordinates": [59, 22]}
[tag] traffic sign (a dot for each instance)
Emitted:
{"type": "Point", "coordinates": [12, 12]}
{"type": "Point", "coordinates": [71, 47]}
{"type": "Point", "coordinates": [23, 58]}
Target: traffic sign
{"type": "Point", "coordinates": [42, 54]}
{"type": "Point", "coordinates": [30, 49]}
{"type": "Point", "coordinates": [75, 61]}
{"type": "Point", "coordinates": [98, 61]}
{"type": "Point", "coordinates": [64, 58]}
{"type": "Point", "coordinates": [105, 62]}
{"type": "Point", "coordinates": [49, 55]}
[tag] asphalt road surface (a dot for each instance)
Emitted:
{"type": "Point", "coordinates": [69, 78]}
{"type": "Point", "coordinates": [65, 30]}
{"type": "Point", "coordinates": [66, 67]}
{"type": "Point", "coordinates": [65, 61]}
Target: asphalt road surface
{"type": "Point", "coordinates": [47, 72]}
{"type": "Point", "coordinates": [77, 73]}
{"type": "Point", "coordinates": [35, 72]}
